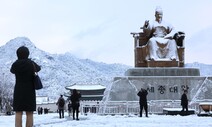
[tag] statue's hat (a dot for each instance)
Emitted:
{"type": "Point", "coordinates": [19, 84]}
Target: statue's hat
{"type": "Point", "coordinates": [158, 9]}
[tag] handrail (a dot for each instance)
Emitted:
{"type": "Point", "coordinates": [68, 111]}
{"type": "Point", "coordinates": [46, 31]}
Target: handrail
{"type": "Point", "coordinates": [132, 107]}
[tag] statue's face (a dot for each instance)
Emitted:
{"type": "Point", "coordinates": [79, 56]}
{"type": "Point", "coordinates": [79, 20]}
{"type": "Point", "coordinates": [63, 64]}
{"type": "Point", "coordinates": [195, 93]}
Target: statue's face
{"type": "Point", "coordinates": [158, 15]}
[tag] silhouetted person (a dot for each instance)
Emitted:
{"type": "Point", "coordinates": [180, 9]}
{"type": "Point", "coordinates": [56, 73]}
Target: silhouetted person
{"type": "Point", "coordinates": [143, 101]}
{"type": "Point", "coordinates": [41, 110]}
{"type": "Point", "coordinates": [75, 103]}
{"type": "Point", "coordinates": [8, 108]}
{"type": "Point", "coordinates": [61, 103]}
{"type": "Point", "coordinates": [184, 101]}
{"type": "Point", "coordinates": [38, 110]}
{"type": "Point", "coordinates": [24, 98]}
{"type": "Point", "coordinates": [69, 108]}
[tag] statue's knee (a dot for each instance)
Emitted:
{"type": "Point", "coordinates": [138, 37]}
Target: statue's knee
{"type": "Point", "coordinates": [151, 40]}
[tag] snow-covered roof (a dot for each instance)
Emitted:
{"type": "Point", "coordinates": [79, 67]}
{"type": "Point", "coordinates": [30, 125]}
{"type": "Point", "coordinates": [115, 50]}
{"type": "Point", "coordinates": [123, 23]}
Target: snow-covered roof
{"type": "Point", "coordinates": [86, 87]}
{"type": "Point", "coordinates": [205, 103]}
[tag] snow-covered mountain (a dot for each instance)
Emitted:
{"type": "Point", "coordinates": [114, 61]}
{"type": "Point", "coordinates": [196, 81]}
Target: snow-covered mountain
{"type": "Point", "coordinates": [61, 70]}
{"type": "Point", "coordinates": [58, 70]}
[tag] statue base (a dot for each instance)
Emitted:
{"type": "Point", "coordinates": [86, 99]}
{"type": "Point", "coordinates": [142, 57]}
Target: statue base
{"type": "Point", "coordinates": [166, 71]}
{"type": "Point", "coordinates": [161, 84]}
{"type": "Point", "coordinates": [164, 63]}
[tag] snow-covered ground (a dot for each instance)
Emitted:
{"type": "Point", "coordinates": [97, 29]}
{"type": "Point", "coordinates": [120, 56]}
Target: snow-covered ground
{"type": "Point", "coordinates": [93, 120]}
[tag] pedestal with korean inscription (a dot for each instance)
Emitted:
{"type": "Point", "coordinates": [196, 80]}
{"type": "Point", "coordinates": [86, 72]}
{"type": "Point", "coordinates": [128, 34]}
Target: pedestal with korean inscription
{"type": "Point", "coordinates": [161, 83]}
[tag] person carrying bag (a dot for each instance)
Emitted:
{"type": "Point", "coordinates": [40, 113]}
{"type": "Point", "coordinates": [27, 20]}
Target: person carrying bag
{"type": "Point", "coordinates": [36, 79]}
{"type": "Point", "coordinates": [24, 96]}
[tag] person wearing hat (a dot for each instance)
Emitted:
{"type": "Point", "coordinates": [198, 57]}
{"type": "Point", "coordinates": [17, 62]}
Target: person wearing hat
{"type": "Point", "coordinates": [161, 44]}
{"type": "Point", "coordinates": [24, 97]}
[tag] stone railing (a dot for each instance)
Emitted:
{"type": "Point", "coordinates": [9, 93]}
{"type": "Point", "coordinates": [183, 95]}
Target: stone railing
{"type": "Point", "coordinates": [129, 107]}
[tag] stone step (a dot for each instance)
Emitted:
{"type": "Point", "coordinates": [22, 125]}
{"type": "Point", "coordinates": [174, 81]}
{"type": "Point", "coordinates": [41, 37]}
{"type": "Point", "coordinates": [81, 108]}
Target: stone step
{"type": "Point", "coordinates": [162, 71]}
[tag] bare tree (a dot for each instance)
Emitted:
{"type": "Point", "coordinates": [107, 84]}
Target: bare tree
{"type": "Point", "coordinates": [6, 90]}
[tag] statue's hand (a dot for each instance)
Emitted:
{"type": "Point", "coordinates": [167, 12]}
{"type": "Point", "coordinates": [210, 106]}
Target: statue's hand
{"type": "Point", "coordinates": [146, 23]}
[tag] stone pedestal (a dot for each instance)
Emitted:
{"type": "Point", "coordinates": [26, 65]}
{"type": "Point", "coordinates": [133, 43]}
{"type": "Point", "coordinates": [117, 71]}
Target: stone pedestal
{"type": "Point", "coordinates": [164, 63]}
{"type": "Point", "coordinates": [161, 83]}
{"type": "Point", "coordinates": [174, 71]}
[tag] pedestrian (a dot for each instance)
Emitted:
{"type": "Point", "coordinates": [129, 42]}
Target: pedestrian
{"type": "Point", "coordinates": [61, 104]}
{"type": "Point", "coordinates": [45, 110]}
{"type": "Point", "coordinates": [69, 108]}
{"type": "Point", "coordinates": [24, 98]}
{"type": "Point", "coordinates": [143, 101]}
{"type": "Point", "coordinates": [75, 103]}
{"type": "Point", "coordinates": [38, 109]}
{"type": "Point", "coordinates": [41, 110]}
{"type": "Point", "coordinates": [184, 101]}
{"type": "Point", "coordinates": [8, 108]}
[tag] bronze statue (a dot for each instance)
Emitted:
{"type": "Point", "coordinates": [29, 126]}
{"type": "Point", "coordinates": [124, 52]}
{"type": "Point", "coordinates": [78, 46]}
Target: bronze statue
{"type": "Point", "coordinates": [159, 45]}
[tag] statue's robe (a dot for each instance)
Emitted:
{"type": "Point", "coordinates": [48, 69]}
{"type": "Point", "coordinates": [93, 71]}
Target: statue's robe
{"type": "Point", "coordinates": [159, 47]}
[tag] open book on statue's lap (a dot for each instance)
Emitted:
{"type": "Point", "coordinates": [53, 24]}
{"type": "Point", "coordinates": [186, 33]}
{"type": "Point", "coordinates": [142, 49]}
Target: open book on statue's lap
{"type": "Point", "coordinates": [161, 40]}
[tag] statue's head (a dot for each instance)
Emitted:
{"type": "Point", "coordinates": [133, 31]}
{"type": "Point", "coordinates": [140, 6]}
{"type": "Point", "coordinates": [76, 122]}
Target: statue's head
{"type": "Point", "coordinates": [158, 10]}
{"type": "Point", "coordinates": [158, 13]}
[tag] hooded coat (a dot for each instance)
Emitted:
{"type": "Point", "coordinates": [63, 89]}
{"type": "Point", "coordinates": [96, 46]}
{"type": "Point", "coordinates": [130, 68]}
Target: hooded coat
{"type": "Point", "coordinates": [24, 97]}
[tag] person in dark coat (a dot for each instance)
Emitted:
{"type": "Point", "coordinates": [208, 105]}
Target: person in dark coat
{"type": "Point", "coordinates": [143, 101]}
{"type": "Point", "coordinates": [61, 106]}
{"type": "Point", "coordinates": [24, 98]}
{"type": "Point", "coordinates": [69, 108]}
{"type": "Point", "coordinates": [184, 101]}
{"type": "Point", "coordinates": [75, 103]}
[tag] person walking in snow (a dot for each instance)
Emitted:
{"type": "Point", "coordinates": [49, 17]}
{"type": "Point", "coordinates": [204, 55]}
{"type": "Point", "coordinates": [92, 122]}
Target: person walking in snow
{"type": "Point", "coordinates": [24, 98]}
{"type": "Point", "coordinates": [61, 104]}
{"type": "Point", "coordinates": [69, 108]}
{"type": "Point", "coordinates": [75, 103]}
{"type": "Point", "coordinates": [143, 101]}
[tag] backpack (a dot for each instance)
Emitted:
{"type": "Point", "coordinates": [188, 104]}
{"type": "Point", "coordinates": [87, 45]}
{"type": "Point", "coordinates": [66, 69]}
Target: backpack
{"type": "Point", "coordinates": [61, 102]}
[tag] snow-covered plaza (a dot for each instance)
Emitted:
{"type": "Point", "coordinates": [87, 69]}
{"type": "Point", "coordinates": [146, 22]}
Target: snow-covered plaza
{"type": "Point", "coordinates": [93, 120]}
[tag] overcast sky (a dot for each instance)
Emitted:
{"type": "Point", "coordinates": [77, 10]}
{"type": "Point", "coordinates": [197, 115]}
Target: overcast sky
{"type": "Point", "coordinates": [99, 29]}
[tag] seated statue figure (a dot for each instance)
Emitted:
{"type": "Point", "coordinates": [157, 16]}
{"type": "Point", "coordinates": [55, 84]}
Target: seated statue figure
{"type": "Point", "coordinates": [161, 43]}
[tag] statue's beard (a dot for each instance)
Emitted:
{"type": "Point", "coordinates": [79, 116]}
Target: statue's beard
{"type": "Point", "coordinates": [159, 20]}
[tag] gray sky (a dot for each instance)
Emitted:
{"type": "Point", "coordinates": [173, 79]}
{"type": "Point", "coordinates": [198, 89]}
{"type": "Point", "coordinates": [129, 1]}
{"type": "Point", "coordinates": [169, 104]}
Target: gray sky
{"type": "Point", "coordinates": [99, 29]}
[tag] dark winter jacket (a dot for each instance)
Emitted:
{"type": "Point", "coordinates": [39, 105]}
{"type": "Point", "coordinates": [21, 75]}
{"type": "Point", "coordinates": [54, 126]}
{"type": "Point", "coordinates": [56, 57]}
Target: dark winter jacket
{"type": "Point", "coordinates": [143, 97]}
{"type": "Point", "coordinates": [75, 99]}
{"type": "Point", "coordinates": [69, 107]}
{"type": "Point", "coordinates": [62, 101]}
{"type": "Point", "coordinates": [24, 98]}
{"type": "Point", "coordinates": [184, 99]}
